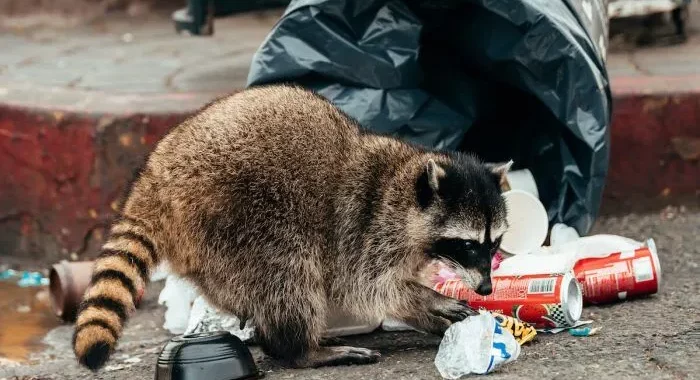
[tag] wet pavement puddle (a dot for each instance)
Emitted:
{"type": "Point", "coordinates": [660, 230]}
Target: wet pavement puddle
{"type": "Point", "coordinates": [25, 318]}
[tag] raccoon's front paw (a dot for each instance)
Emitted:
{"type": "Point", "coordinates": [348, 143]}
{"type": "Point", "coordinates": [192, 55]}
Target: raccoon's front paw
{"type": "Point", "coordinates": [453, 310]}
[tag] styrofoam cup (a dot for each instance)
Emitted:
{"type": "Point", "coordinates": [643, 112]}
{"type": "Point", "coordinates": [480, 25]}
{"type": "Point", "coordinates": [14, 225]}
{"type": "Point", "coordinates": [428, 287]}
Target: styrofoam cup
{"type": "Point", "coordinates": [522, 180]}
{"type": "Point", "coordinates": [527, 223]}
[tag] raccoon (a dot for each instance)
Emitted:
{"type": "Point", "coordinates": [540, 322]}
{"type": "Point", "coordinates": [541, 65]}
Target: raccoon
{"type": "Point", "coordinates": [277, 205]}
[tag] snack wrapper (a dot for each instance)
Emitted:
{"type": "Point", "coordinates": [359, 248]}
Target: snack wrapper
{"type": "Point", "coordinates": [522, 331]}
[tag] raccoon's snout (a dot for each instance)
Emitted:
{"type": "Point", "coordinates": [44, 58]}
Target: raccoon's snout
{"type": "Point", "coordinates": [484, 288]}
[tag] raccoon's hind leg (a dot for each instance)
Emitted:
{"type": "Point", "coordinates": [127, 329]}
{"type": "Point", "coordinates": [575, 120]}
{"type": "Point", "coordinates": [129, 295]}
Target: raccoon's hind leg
{"type": "Point", "coordinates": [293, 338]}
{"type": "Point", "coordinates": [428, 310]}
{"type": "Point", "coordinates": [291, 318]}
{"type": "Point", "coordinates": [289, 341]}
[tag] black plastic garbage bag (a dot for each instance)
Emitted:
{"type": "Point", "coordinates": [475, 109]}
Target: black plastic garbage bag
{"type": "Point", "coordinates": [506, 79]}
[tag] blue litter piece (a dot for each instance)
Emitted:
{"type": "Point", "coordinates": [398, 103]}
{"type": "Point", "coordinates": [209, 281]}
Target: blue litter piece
{"type": "Point", "coordinates": [29, 279]}
{"type": "Point", "coordinates": [9, 273]}
{"type": "Point", "coordinates": [584, 331]}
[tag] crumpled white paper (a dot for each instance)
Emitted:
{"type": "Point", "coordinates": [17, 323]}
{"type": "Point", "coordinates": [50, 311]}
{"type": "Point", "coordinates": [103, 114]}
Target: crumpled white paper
{"type": "Point", "coordinates": [476, 345]}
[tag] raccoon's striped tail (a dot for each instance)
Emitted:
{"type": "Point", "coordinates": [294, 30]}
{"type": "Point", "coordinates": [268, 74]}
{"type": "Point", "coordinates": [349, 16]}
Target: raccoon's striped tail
{"type": "Point", "coordinates": [119, 278]}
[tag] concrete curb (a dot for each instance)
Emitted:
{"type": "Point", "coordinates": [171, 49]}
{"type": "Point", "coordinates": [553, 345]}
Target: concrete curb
{"type": "Point", "coordinates": [69, 157]}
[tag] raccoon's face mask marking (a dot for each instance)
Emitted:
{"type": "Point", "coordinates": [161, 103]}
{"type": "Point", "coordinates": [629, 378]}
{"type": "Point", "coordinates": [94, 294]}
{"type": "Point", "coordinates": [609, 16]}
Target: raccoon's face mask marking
{"type": "Point", "coordinates": [464, 202]}
{"type": "Point", "coordinates": [470, 259]}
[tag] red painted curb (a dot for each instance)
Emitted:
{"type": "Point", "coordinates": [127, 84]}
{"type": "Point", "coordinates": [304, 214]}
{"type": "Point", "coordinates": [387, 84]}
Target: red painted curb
{"type": "Point", "coordinates": [64, 170]}
{"type": "Point", "coordinates": [652, 139]}
{"type": "Point", "coordinates": [63, 173]}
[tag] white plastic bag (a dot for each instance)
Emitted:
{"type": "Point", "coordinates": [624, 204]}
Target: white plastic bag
{"type": "Point", "coordinates": [561, 234]}
{"type": "Point", "coordinates": [476, 345]}
{"type": "Point", "coordinates": [206, 318]}
{"type": "Point", "coordinates": [177, 296]}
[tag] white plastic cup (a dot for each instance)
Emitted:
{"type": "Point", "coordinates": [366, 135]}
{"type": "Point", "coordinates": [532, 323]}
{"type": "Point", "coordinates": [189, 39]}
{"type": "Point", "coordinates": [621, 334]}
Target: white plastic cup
{"type": "Point", "coordinates": [527, 223]}
{"type": "Point", "coordinates": [522, 180]}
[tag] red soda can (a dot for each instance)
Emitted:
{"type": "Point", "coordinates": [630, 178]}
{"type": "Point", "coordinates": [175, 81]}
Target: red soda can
{"type": "Point", "coordinates": [619, 275]}
{"type": "Point", "coordinates": [542, 300]}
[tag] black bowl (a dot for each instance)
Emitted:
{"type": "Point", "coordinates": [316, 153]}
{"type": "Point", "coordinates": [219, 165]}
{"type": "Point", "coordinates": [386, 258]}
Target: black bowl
{"type": "Point", "coordinates": [207, 356]}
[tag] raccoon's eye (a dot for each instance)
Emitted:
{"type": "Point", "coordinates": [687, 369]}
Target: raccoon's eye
{"type": "Point", "coordinates": [470, 244]}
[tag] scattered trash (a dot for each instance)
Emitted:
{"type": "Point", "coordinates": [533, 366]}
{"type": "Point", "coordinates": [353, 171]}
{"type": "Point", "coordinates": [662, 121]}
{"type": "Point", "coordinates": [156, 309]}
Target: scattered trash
{"type": "Point", "coordinates": [557, 330]}
{"type": "Point", "coordinates": [178, 296]}
{"type": "Point", "coordinates": [608, 267]}
{"type": "Point", "coordinates": [206, 318]}
{"type": "Point", "coordinates": [584, 331]}
{"type": "Point", "coordinates": [26, 278]}
{"type": "Point", "coordinates": [561, 233]}
{"type": "Point", "coordinates": [620, 275]}
{"type": "Point", "coordinates": [160, 272]}
{"type": "Point", "coordinates": [67, 283]}
{"type": "Point", "coordinates": [476, 345]}
{"type": "Point", "coordinates": [522, 331]}
{"type": "Point", "coordinates": [115, 367]}
{"type": "Point", "coordinates": [188, 312]}
{"type": "Point", "coordinates": [32, 279]}
{"type": "Point", "coordinates": [545, 300]}
{"type": "Point", "coordinates": [133, 360]}
{"type": "Point", "coordinates": [528, 223]}
{"type": "Point", "coordinates": [521, 180]}
{"type": "Point", "coordinates": [209, 355]}
{"type": "Point", "coordinates": [8, 273]}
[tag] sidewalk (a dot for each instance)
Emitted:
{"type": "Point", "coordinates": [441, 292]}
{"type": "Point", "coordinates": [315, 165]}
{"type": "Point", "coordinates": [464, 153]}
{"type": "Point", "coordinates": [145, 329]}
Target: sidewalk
{"type": "Point", "coordinates": [80, 108]}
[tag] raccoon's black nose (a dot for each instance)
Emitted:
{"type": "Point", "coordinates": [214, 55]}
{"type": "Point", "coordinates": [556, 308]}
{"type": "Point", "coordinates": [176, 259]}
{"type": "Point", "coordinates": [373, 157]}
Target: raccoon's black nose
{"type": "Point", "coordinates": [484, 289]}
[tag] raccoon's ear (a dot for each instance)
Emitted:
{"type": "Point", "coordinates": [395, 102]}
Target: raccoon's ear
{"type": "Point", "coordinates": [434, 173]}
{"type": "Point", "coordinates": [500, 170]}
{"type": "Point", "coordinates": [428, 183]}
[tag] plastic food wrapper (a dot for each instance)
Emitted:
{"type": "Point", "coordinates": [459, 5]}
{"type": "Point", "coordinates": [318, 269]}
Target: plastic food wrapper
{"type": "Point", "coordinates": [206, 318]}
{"type": "Point", "coordinates": [476, 345]}
{"type": "Point", "coordinates": [523, 332]}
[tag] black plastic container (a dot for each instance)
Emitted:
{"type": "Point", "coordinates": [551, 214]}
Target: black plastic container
{"type": "Point", "coordinates": [207, 356]}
